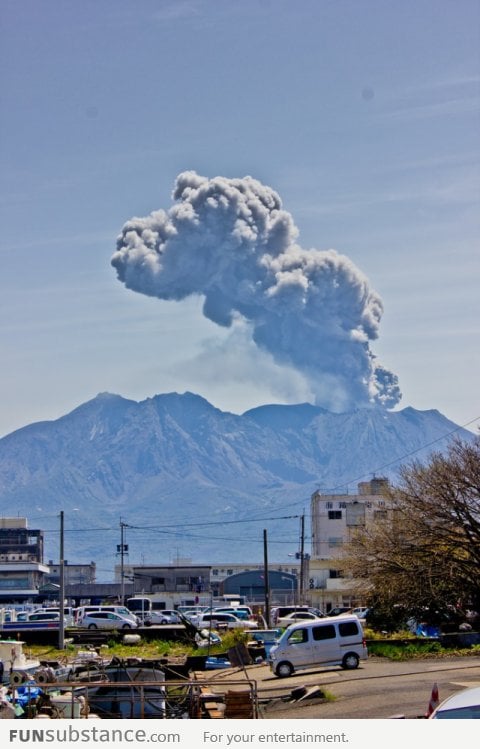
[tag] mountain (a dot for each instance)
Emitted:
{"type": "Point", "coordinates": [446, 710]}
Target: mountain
{"type": "Point", "coordinates": [170, 463]}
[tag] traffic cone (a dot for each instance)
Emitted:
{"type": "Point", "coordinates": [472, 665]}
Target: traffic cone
{"type": "Point", "coordinates": [434, 701]}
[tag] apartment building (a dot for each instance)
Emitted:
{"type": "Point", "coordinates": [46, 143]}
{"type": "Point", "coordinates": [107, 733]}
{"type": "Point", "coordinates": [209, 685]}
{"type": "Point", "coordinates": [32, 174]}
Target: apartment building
{"type": "Point", "coordinates": [334, 518]}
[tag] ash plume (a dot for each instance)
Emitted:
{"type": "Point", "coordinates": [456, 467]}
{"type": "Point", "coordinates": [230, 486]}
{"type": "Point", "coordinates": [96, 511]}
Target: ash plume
{"type": "Point", "coordinates": [230, 241]}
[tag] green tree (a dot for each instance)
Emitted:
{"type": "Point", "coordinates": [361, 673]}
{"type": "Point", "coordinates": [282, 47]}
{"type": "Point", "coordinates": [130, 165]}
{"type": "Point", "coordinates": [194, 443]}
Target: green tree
{"type": "Point", "coordinates": [423, 558]}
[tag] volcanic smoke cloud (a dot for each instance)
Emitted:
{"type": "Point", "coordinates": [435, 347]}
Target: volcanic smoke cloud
{"type": "Point", "coordinates": [230, 241]}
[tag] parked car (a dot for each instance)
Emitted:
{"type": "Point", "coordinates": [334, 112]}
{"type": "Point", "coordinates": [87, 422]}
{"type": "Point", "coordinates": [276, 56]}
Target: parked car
{"type": "Point", "coordinates": [330, 641]}
{"type": "Point", "coordinates": [296, 616]}
{"type": "Point", "coordinates": [463, 704]}
{"type": "Point", "coordinates": [277, 612]}
{"type": "Point", "coordinates": [68, 616]}
{"type": "Point", "coordinates": [223, 620]}
{"type": "Point", "coordinates": [266, 637]}
{"type": "Point", "coordinates": [192, 615]}
{"type": "Point", "coordinates": [241, 612]}
{"type": "Point", "coordinates": [339, 610]}
{"type": "Point", "coordinates": [43, 616]}
{"type": "Point", "coordinates": [80, 612]}
{"type": "Point", "coordinates": [163, 616]}
{"type": "Point", "coordinates": [188, 609]}
{"type": "Point", "coordinates": [107, 620]}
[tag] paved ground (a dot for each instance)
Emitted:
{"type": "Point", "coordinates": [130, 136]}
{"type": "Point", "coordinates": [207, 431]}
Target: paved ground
{"type": "Point", "coordinates": [378, 689]}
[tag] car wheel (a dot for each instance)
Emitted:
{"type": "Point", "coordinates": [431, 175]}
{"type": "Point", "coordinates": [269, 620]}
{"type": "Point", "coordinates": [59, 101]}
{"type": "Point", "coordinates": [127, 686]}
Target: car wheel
{"type": "Point", "coordinates": [126, 626]}
{"type": "Point", "coordinates": [92, 626]}
{"type": "Point", "coordinates": [147, 623]}
{"type": "Point", "coordinates": [284, 669]}
{"type": "Point", "coordinates": [350, 660]}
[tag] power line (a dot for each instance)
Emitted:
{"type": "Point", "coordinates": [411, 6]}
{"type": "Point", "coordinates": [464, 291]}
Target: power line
{"type": "Point", "coordinates": [161, 527]}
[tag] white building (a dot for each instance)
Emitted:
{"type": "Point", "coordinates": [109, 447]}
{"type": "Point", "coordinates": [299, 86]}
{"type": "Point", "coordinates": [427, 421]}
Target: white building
{"type": "Point", "coordinates": [334, 518]}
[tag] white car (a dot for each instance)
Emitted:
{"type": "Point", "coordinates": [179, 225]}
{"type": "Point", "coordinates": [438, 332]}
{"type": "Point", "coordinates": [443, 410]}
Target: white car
{"type": "Point", "coordinates": [54, 611]}
{"type": "Point", "coordinates": [241, 612]}
{"type": "Point", "coordinates": [43, 616]}
{"type": "Point", "coordinates": [463, 704]}
{"type": "Point", "coordinates": [220, 619]}
{"type": "Point", "coordinates": [163, 616]}
{"type": "Point", "coordinates": [107, 620]}
{"type": "Point", "coordinates": [296, 616]}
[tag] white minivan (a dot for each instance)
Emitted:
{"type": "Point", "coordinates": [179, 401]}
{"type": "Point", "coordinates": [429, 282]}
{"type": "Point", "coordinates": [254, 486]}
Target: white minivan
{"type": "Point", "coordinates": [332, 641]}
{"type": "Point", "coordinates": [83, 611]}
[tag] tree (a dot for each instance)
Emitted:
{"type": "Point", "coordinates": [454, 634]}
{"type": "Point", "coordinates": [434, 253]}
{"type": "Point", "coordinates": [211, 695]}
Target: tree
{"type": "Point", "coordinates": [424, 556]}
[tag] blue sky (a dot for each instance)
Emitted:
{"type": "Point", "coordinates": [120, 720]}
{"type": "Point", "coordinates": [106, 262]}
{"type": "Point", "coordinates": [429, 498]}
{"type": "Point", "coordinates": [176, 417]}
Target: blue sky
{"type": "Point", "coordinates": [364, 117]}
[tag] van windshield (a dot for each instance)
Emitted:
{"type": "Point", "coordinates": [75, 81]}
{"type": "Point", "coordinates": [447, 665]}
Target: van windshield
{"type": "Point", "coordinates": [292, 638]}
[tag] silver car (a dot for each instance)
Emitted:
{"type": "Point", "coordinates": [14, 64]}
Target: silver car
{"type": "Point", "coordinates": [106, 620]}
{"type": "Point", "coordinates": [163, 616]}
{"type": "Point", "coordinates": [222, 620]}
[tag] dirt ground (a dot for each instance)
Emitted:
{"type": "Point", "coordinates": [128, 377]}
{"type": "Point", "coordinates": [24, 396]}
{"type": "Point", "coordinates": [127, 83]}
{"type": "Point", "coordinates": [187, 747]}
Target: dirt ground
{"type": "Point", "coordinates": [378, 689]}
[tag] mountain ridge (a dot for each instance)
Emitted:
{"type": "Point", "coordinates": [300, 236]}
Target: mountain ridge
{"type": "Point", "coordinates": [157, 462]}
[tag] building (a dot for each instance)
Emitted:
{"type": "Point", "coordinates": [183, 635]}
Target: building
{"type": "Point", "coordinates": [74, 574]}
{"type": "Point", "coordinates": [250, 585]}
{"type": "Point", "coordinates": [334, 518]}
{"type": "Point", "coordinates": [22, 571]}
{"type": "Point", "coordinates": [167, 579]}
{"type": "Point", "coordinates": [220, 572]}
{"type": "Point", "coordinates": [185, 582]}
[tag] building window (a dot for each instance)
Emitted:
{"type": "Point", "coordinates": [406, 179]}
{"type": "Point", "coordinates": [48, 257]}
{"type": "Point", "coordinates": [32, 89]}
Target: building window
{"type": "Point", "coordinates": [335, 542]}
{"type": "Point", "coordinates": [214, 572]}
{"type": "Point", "coordinates": [335, 573]}
{"type": "Point", "coordinates": [334, 514]}
{"type": "Point", "coordinates": [229, 572]}
{"type": "Point", "coordinates": [16, 582]}
{"type": "Point", "coordinates": [379, 514]}
{"type": "Point", "coordinates": [355, 514]}
{"type": "Point", "coordinates": [342, 504]}
{"type": "Point", "coordinates": [329, 505]}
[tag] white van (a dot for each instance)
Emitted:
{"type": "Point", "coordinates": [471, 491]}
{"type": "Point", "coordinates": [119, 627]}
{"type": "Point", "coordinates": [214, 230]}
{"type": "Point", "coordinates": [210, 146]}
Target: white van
{"type": "Point", "coordinates": [332, 641]}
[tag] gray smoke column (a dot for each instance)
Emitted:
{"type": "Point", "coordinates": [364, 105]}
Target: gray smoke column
{"type": "Point", "coordinates": [230, 241]}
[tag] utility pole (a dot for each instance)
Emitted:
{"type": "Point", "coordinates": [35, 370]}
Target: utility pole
{"type": "Point", "coordinates": [122, 548]}
{"type": "Point", "coordinates": [267, 581]}
{"type": "Point", "coordinates": [61, 592]}
{"type": "Point", "coordinates": [302, 558]}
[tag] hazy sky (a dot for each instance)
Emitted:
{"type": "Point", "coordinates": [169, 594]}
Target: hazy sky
{"type": "Point", "coordinates": [362, 115]}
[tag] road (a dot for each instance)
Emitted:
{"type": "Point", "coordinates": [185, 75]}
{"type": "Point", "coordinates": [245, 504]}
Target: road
{"type": "Point", "coordinates": [377, 689]}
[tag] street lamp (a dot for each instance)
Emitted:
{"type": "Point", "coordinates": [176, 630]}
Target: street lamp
{"type": "Point", "coordinates": [292, 588]}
